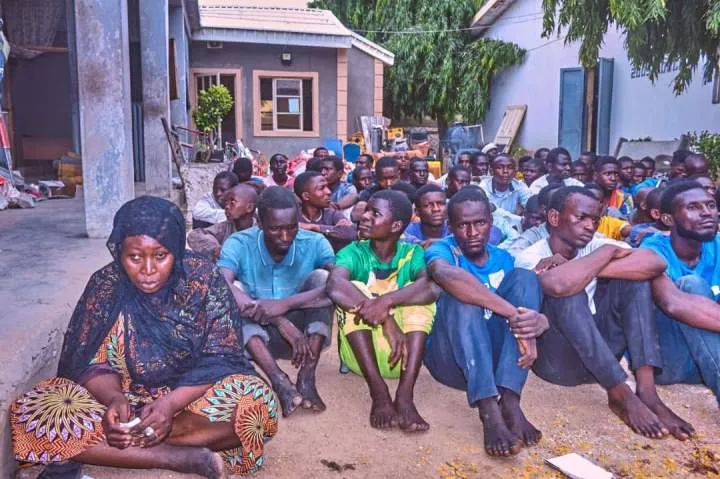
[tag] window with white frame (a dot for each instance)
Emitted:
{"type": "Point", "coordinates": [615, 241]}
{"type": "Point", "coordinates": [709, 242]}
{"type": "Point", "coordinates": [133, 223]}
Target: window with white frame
{"type": "Point", "coordinates": [286, 104]}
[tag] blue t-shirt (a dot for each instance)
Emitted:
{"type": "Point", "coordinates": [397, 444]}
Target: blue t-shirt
{"type": "Point", "coordinates": [414, 229]}
{"type": "Point", "coordinates": [491, 274]}
{"type": "Point", "coordinates": [708, 268]}
{"type": "Point", "coordinates": [245, 254]}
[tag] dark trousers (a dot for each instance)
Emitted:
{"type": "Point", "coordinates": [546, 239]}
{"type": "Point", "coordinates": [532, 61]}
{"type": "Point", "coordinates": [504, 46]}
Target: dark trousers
{"type": "Point", "coordinates": [472, 349]}
{"type": "Point", "coordinates": [310, 321]}
{"type": "Point", "coordinates": [581, 348]}
{"type": "Point", "coordinates": [690, 355]}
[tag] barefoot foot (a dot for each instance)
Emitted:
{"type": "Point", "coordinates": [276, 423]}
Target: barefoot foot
{"type": "Point", "coordinates": [677, 426]}
{"type": "Point", "coordinates": [499, 440]}
{"type": "Point", "coordinates": [409, 418]}
{"type": "Point", "coordinates": [383, 415]}
{"type": "Point", "coordinates": [516, 421]}
{"type": "Point", "coordinates": [206, 463]}
{"type": "Point", "coordinates": [306, 387]}
{"type": "Point", "coordinates": [289, 397]}
{"type": "Point", "coordinates": [633, 412]}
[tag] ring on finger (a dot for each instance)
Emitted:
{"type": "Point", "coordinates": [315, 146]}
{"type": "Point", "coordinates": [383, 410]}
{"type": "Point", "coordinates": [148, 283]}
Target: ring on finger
{"type": "Point", "coordinates": [149, 432]}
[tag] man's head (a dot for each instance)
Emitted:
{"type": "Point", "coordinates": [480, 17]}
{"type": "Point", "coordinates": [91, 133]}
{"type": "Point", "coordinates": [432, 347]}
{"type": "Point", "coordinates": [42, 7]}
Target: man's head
{"type": "Point", "coordinates": [589, 158]}
{"type": "Point", "coordinates": [559, 163]}
{"type": "Point", "coordinates": [653, 205]}
{"type": "Point", "coordinates": [332, 168]}
{"type": "Point", "coordinates": [522, 160]}
{"type": "Point", "coordinates": [419, 171]}
{"type": "Point", "coordinates": [321, 152]}
{"type": "Point", "coordinates": [649, 165]}
{"type": "Point", "coordinates": [600, 194]}
{"type": "Point", "coordinates": [542, 154]}
{"type": "Point", "coordinates": [689, 211]}
{"type": "Point", "coordinates": [278, 217]}
{"type": "Point", "coordinates": [545, 195]}
{"type": "Point", "coordinates": [243, 169]}
{"type": "Point", "coordinates": [696, 164]}
{"type": "Point", "coordinates": [706, 182]}
{"type": "Point", "coordinates": [503, 169]}
{"type": "Point", "coordinates": [278, 164]}
{"type": "Point", "coordinates": [470, 220]}
{"type": "Point", "coordinates": [362, 178]}
{"type": "Point", "coordinates": [457, 179]}
{"type": "Point", "coordinates": [532, 170]}
{"type": "Point", "coordinates": [386, 215]}
{"type": "Point", "coordinates": [365, 161]}
{"type": "Point", "coordinates": [430, 205]}
{"type": "Point", "coordinates": [403, 163]}
{"type": "Point", "coordinates": [491, 150]}
{"type": "Point", "coordinates": [625, 172]}
{"type": "Point", "coordinates": [222, 183]}
{"type": "Point", "coordinates": [574, 215]}
{"type": "Point", "coordinates": [479, 163]}
{"type": "Point", "coordinates": [677, 164]}
{"type": "Point", "coordinates": [533, 214]}
{"type": "Point", "coordinates": [580, 171]}
{"type": "Point", "coordinates": [405, 188]}
{"type": "Point", "coordinates": [464, 160]}
{"type": "Point", "coordinates": [640, 200]}
{"type": "Point", "coordinates": [240, 202]}
{"type": "Point", "coordinates": [639, 173]}
{"type": "Point", "coordinates": [312, 189]}
{"type": "Point", "coordinates": [387, 173]}
{"type": "Point", "coordinates": [607, 171]}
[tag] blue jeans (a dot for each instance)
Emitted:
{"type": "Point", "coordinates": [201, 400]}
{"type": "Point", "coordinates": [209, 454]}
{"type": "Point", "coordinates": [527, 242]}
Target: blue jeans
{"type": "Point", "coordinates": [466, 351]}
{"type": "Point", "coordinates": [690, 355]}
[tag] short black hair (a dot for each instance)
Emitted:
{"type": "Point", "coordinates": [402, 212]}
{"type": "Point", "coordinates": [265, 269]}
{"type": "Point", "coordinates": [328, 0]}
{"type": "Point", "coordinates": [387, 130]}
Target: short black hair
{"type": "Point", "coordinates": [369, 157]}
{"type": "Point", "coordinates": [400, 205]}
{"type": "Point", "coordinates": [277, 156]}
{"type": "Point", "coordinates": [591, 154]}
{"type": "Point", "coordinates": [417, 159]}
{"type": "Point", "coordinates": [405, 188]}
{"type": "Point", "coordinates": [356, 172]}
{"type": "Point", "coordinates": [605, 160]}
{"type": "Point", "coordinates": [539, 164]}
{"type": "Point", "coordinates": [465, 195]}
{"type": "Point", "coordinates": [654, 198]}
{"type": "Point", "coordinates": [540, 151]}
{"type": "Point", "coordinates": [320, 148]}
{"type": "Point", "coordinates": [638, 164]}
{"type": "Point", "coordinates": [475, 156]}
{"type": "Point", "coordinates": [700, 175]}
{"type": "Point", "coordinates": [648, 159]}
{"type": "Point", "coordinates": [524, 159]}
{"type": "Point", "coordinates": [544, 194]}
{"type": "Point", "coordinates": [242, 167]}
{"type": "Point", "coordinates": [314, 164]}
{"type": "Point", "coordinates": [533, 204]}
{"type": "Point", "coordinates": [337, 162]}
{"type": "Point", "coordinates": [454, 171]}
{"type": "Point", "coordinates": [504, 155]}
{"type": "Point", "coordinates": [625, 159]}
{"type": "Point", "coordinates": [679, 156]}
{"type": "Point", "coordinates": [275, 198]}
{"type": "Point", "coordinates": [426, 189]}
{"type": "Point", "coordinates": [558, 201]}
{"type": "Point", "coordinates": [579, 164]}
{"type": "Point", "coordinates": [555, 154]}
{"type": "Point", "coordinates": [675, 189]}
{"type": "Point", "coordinates": [385, 162]}
{"type": "Point", "coordinates": [302, 182]}
{"type": "Point", "coordinates": [227, 175]}
{"type": "Point", "coordinates": [595, 187]}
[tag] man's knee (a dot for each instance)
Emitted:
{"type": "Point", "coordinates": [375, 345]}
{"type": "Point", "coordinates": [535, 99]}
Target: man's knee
{"type": "Point", "coordinates": [316, 279]}
{"type": "Point", "coordinates": [694, 284]}
{"type": "Point", "coordinates": [450, 306]}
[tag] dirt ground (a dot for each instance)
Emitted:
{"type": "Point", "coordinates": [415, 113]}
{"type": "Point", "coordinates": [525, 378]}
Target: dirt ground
{"type": "Point", "coordinates": [339, 443]}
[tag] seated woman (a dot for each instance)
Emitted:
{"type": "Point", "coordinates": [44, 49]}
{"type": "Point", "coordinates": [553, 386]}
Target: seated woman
{"type": "Point", "coordinates": [152, 372]}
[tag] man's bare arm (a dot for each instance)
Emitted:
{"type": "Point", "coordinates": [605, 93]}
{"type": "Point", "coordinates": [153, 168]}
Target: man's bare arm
{"type": "Point", "coordinates": [572, 277]}
{"type": "Point", "coordinates": [691, 309]}
{"type": "Point", "coordinates": [638, 265]}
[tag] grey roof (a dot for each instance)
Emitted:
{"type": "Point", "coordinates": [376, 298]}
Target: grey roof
{"type": "Point", "coordinates": [490, 11]}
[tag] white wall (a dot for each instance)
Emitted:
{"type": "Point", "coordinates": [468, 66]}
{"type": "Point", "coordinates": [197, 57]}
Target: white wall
{"type": "Point", "coordinates": [639, 108]}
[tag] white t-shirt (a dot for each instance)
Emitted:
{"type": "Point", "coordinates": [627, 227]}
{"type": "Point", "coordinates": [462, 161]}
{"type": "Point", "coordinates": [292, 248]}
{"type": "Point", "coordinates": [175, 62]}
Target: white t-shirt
{"type": "Point", "coordinates": [542, 182]}
{"type": "Point", "coordinates": [530, 258]}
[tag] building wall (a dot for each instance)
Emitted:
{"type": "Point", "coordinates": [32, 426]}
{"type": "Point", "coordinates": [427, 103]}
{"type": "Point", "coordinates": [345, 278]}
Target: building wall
{"type": "Point", "coordinates": [361, 77]}
{"type": "Point", "coordinates": [639, 108]}
{"type": "Point", "coordinates": [250, 57]}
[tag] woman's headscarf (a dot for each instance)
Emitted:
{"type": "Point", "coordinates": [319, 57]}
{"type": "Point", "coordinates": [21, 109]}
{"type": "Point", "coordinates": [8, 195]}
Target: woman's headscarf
{"type": "Point", "coordinates": [186, 333]}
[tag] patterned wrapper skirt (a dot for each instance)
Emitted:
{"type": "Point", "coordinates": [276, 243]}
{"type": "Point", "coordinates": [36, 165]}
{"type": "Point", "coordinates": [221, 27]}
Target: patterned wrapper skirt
{"type": "Point", "coordinates": [59, 419]}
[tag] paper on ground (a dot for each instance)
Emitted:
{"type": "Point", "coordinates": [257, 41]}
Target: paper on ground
{"type": "Point", "coordinates": [577, 467]}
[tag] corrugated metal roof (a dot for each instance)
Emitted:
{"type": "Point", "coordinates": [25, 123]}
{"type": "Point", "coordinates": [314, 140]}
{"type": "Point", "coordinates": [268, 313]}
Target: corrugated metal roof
{"type": "Point", "coordinates": [490, 12]}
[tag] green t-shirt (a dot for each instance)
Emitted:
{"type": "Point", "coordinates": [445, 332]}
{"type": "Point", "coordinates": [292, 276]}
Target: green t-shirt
{"type": "Point", "coordinates": [360, 260]}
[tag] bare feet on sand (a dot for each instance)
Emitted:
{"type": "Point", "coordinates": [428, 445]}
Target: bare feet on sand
{"type": "Point", "coordinates": [409, 419]}
{"type": "Point", "coordinates": [499, 440]}
{"type": "Point", "coordinates": [204, 462]}
{"type": "Point", "coordinates": [383, 415]}
{"type": "Point", "coordinates": [516, 421]}
{"type": "Point", "coordinates": [678, 427]}
{"type": "Point", "coordinates": [306, 387]}
{"type": "Point", "coordinates": [289, 397]}
{"type": "Point", "coordinates": [633, 412]}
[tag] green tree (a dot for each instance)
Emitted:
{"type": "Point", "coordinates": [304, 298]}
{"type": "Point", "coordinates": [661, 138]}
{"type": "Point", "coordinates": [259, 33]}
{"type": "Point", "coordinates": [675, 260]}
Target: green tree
{"type": "Point", "coordinates": [214, 103]}
{"type": "Point", "coordinates": [659, 33]}
{"type": "Point", "coordinates": [441, 68]}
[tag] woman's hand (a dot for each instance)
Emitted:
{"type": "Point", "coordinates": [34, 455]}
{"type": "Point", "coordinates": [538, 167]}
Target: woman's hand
{"type": "Point", "coordinates": [117, 413]}
{"type": "Point", "coordinates": [156, 423]}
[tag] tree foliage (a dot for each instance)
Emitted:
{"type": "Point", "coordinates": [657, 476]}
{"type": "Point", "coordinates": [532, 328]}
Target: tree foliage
{"type": "Point", "coordinates": [440, 69]}
{"type": "Point", "coordinates": [213, 104]}
{"type": "Point", "coordinates": [659, 33]}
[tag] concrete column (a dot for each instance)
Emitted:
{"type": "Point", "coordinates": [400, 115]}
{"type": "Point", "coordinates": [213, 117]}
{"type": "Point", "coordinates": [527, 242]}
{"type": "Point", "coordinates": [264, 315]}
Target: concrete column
{"type": "Point", "coordinates": [154, 36]}
{"type": "Point", "coordinates": [103, 78]}
{"type": "Point", "coordinates": [178, 108]}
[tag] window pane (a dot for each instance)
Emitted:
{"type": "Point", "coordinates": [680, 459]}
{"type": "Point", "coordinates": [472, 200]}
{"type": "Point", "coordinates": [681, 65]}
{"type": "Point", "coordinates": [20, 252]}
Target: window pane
{"type": "Point", "coordinates": [288, 122]}
{"type": "Point", "coordinates": [266, 89]}
{"type": "Point", "coordinates": [287, 87]}
{"type": "Point", "coordinates": [288, 105]}
{"type": "Point", "coordinates": [266, 121]}
{"type": "Point", "coordinates": [307, 104]}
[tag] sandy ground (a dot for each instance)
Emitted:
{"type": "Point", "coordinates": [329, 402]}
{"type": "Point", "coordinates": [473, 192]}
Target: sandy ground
{"type": "Point", "coordinates": [314, 446]}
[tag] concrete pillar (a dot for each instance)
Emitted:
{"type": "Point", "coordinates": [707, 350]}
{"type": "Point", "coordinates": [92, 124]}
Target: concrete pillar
{"type": "Point", "coordinates": [103, 78]}
{"type": "Point", "coordinates": [154, 36]}
{"type": "Point", "coordinates": [178, 107]}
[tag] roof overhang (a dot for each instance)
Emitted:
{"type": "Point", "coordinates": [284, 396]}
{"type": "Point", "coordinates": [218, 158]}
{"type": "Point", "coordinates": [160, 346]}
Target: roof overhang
{"type": "Point", "coordinates": [491, 11]}
{"type": "Point", "coordinates": [372, 49]}
{"type": "Point", "coordinates": [233, 35]}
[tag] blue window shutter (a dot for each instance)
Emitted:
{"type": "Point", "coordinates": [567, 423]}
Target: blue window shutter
{"type": "Point", "coordinates": [572, 110]}
{"type": "Point", "coordinates": [604, 105]}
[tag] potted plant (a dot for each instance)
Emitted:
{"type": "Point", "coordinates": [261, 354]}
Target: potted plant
{"type": "Point", "coordinates": [214, 103]}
